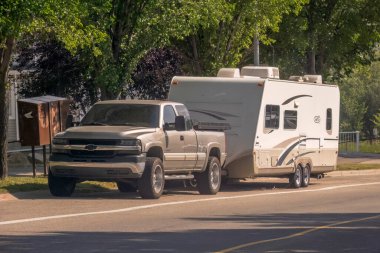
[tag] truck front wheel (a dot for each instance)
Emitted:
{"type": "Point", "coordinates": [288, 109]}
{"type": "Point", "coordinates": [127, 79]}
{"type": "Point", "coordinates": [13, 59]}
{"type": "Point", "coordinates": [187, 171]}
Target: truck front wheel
{"type": "Point", "coordinates": [208, 182]}
{"type": "Point", "coordinates": [61, 186]}
{"type": "Point", "coordinates": [151, 184]}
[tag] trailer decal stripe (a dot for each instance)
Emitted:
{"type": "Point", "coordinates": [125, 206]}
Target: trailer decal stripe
{"type": "Point", "coordinates": [293, 98]}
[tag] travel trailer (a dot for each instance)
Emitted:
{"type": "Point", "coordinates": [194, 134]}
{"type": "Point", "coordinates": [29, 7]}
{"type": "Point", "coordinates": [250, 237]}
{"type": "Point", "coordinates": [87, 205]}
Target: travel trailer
{"type": "Point", "coordinates": [279, 128]}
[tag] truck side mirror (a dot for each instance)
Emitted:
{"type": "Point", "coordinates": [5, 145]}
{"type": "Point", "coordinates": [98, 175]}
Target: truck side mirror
{"type": "Point", "coordinates": [180, 124]}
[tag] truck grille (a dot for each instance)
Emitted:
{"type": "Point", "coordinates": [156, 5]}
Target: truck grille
{"type": "Point", "coordinates": [95, 142]}
{"type": "Point", "coordinates": [95, 153]}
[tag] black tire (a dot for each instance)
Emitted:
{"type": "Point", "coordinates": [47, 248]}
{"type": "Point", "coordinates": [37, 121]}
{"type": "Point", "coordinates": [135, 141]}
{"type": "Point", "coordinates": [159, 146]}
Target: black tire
{"type": "Point", "coordinates": [61, 186]}
{"type": "Point", "coordinates": [306, 176]}
{"type": "Point", "coordinates": [296, 178]}
{"type": "Point", "coordinates": [209, 181]}
{"type": "Point", "coordinates": [152, 183]}
{"type": "Point", "coordinates": [126, 187]}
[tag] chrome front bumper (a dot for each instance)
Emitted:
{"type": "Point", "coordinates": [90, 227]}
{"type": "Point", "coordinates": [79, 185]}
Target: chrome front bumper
{"type": "Point", "coordinates": [98, 169]}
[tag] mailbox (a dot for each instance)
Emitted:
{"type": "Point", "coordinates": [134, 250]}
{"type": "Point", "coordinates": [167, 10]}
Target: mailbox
{"type": "Point", "coordinates": [33, 122]}
{"type": "Point", "coordinates": [58, 111]}
{"type": "Point", "coordinates": [40, 118]}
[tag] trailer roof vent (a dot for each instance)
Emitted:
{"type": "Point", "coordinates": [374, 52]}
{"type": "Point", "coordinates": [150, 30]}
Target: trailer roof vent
{"type": "Point", "coordinates": [263, 72]}
{"type": "Point", "coordinates": [313, 78]}
{"type": "Point", "coordinates": [296, 78]}
{"type": "Point", "coordinates": [228, 72]}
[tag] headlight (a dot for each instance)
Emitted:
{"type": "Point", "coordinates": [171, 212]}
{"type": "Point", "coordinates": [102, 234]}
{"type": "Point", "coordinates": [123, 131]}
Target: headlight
{"type": "Point", "coordinates": [60, 141]}
{"type": "Point", "coordinates": [58, 144]}
{"type": "Point", "coordinates": [130, 142]}
{"type": "Point", "coordinates": [133, 144]}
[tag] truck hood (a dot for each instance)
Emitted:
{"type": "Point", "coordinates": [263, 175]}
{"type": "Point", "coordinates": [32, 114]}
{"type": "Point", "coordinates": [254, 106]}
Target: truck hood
{"type": "Point", "coordinates": [104, 132]}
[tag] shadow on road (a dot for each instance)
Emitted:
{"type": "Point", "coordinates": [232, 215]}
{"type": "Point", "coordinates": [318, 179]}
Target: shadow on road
{"type": "Point", "coordinates": [351, 237]}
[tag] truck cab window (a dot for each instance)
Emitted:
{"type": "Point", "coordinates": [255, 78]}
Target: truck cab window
{"type": "Point", "coordinates": [169, 117]}
{"type": "Point", "coordinates": [290, 119]}
{"type": "Point", "coordinates": [329, 119]}
{"type": "Point", "coordinates": [272, 116]}
{"type": "Point", "coordinates": [182, 111]}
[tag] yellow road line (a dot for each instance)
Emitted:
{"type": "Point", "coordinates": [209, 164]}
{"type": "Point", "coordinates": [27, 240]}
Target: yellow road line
{"type": "Point", "coordinates": [295, 235]}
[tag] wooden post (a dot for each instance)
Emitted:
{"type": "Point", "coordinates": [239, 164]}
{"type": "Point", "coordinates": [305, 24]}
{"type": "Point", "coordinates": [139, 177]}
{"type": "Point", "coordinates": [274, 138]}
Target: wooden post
{"type": "Point", "coordinates": [34, 162]}
{"type": "Point", "coordinates": [44, 158]}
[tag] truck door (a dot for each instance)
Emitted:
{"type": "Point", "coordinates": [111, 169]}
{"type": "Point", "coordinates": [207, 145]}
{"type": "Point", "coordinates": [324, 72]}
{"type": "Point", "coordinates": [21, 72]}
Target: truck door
{"type": "Point", "coordinates": [174, 155]}
{"type": "Point", "coordinates": [191, 145]}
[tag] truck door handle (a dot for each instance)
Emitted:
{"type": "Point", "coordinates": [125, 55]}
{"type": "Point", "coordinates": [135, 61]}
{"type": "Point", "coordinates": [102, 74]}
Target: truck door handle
{"type": "Point", "coordinates": [181, 137]}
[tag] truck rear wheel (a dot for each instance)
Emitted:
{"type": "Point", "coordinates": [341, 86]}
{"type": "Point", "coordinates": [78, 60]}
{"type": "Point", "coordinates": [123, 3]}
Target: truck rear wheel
{"type": "Point", "coordinates": [208, 182]}
{"type": "Point", "coordinates": [61, 186]}
{"type": "Point", "coordinates": [296, 178]}
{"type": "Point", "coordinates": [126, 187]}
{"type": "Point", "coordinates": [151, 184]}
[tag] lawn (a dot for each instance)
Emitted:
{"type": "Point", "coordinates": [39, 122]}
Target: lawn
{"type": "Point", "coordinates": [357, 166]}
{"type": "Point", "coordinates": [364, 147]}
{"type": "Point", "coordinates": [23, 184]}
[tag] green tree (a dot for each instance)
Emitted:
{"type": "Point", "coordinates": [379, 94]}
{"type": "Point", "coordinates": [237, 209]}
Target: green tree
{"type": "Point", "coordinates": [360, 98]}
{"type": "Point", "coordinates": [17, 17]}
{"type": "Point", "coordinates": [228, 41]}
{"type": "Point", "coordinates": [135, 27]}
{"type": "Point", "coordinates": [328, 37]}
{"type": "Point", "coordinates": [55, 71]}
{"type": "Point", "coordinates": [376, 120]}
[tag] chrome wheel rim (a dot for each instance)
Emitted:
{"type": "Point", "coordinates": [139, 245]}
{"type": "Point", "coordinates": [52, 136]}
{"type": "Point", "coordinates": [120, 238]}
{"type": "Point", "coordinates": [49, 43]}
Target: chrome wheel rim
{"type": "Point", "coordinates": [298, 176]}
{"type": "Point", "coordinates": [306, 176]}
{"type": "Point", "coordinates": [214, 176]}
{"type": "Point", "coordinates": [158, 179]}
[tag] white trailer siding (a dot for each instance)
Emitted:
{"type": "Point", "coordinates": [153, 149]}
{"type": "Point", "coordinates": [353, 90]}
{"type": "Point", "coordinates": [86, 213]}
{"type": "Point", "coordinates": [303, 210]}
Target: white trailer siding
{"type": "Point", "coordinates": [223, 100]}
{"type": "Point", "coordinates": [256, 150]}
{"type": "Point", "coordinates": [278, 149]}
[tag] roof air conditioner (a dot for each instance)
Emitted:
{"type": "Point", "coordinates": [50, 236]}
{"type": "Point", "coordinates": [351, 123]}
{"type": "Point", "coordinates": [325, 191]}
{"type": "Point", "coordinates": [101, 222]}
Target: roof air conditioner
{"type": "Point", "coordinates": [228, 72]}
{"type": "Point", "coordinates": [263, 72]}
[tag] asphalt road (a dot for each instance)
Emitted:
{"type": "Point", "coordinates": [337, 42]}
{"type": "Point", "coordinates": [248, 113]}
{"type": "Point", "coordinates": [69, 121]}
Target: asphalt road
{"type": "Point", "coordinates": [336, 214]}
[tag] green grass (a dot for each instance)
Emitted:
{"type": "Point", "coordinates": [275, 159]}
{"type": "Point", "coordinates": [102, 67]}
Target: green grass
{"type": "Point", "coordinates": [24, 184]}
{"type": "Point", "coordinates": [357, 166]}
{"type": "Point", "coordinates": [367, 147]}
{"type": "Point", "coordinates": [364, 147]}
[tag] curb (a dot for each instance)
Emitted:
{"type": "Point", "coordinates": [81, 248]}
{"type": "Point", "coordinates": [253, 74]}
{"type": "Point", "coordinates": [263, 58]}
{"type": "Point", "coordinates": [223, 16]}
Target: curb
{"type": "Point", "coordinates": [354, 173]}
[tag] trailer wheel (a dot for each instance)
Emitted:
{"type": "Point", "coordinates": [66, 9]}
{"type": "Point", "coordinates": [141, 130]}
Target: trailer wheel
{"type": "Point", "coordinates": [208, 182]}
{"type": "Point", "coordinates": [151, 184]}
{"type": "Point", "coordinates": [305, 176]}
{"type": "Point", "coordinates": [61, 186]}
{"type": "Point", "coordinates": [126, 187]}
{"type": "Point", "coordinates": [296, 178]}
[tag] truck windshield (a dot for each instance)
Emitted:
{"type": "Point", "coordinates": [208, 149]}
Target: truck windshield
{"type": "Point", "coordinates": [122, 115]}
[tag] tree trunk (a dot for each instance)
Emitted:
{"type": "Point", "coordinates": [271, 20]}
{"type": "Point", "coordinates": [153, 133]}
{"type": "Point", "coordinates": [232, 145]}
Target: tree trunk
{"type": "Point", "coordinates": [311, 62]}
{"type": "Point", "coordinates": [198, 69]}
{"type": "Point", "coordinates": [5, 57]}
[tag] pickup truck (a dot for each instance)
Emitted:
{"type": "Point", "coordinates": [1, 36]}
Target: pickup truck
{"type": "Point", "coordinates": [138, 144]}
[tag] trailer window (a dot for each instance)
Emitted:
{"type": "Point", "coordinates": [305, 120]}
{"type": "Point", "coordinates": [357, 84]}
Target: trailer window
{"type": "Point", "coordinates": [329, 119]}
{"type": "Point", "coordinates": [272, 116]}
{"type": "Point", "coordinates": [290, 119]}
